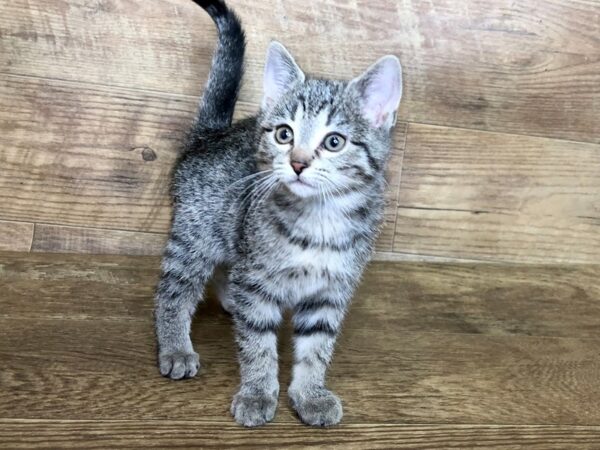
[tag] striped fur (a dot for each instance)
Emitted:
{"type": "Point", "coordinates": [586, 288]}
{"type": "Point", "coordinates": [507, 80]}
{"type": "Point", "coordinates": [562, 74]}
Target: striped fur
{"type": "Point", "coordinates": [269, 238]}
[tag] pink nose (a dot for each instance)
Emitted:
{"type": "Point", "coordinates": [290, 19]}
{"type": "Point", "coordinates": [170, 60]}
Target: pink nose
{"type": "Point", "coordinates": [298, 166]}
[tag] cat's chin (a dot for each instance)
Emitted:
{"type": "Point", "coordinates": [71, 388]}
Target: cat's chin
{"type": "Point", "coordinates": [301, 189]}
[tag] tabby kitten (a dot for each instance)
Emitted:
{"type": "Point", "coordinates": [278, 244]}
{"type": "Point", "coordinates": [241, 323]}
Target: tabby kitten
{"type": "Point", "coordinates": [281, 210]}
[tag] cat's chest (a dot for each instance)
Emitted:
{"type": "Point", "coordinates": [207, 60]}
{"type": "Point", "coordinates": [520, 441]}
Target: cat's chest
{"type": "Point", "coordinates": [296, 273]}
{"type": "Point", "coordinates": [316, 260]}
{"type": "Point", "coordinates": [317, 226]}
{"type": "Point", "coordinates": [304, 264]}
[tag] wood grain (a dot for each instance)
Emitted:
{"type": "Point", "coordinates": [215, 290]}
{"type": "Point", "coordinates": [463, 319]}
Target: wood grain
{"type": "Point", "coordinates": [104, 368]}
{"type": "Point", "coordinates": [525, 68]}
{"type": "Point", "coordinates": [450, 168]}
{"type": "Point", "coordinates": [496, 237]}
{"type": "Point", "coordinates": [519, 345]}
{"type": "Point", "coordinates": [52, 434]}
{"type": "Point", "coordinates": [159, 46]}
{"type": "Point", "coordinates": [63, 239]}
{"type": "Point", "coordinates": [74, 154]}
{"type": "Point", "coordinates": [16, 236]}
{"type": "Point", "coordinates": [459, 298]}
{"type": "Point", "coordinates": [481, 195]}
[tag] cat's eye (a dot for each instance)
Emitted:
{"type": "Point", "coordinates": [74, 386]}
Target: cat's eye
{"type": "Point", "coordinates": [284, 134]}
{"type": "Point", "coordinates": [334, 142]}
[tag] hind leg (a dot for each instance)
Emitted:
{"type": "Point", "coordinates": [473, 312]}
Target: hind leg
{"type": "Point", "coordinates": [185, 272]}
{"type": "Point", "coordinates": [220, 282]}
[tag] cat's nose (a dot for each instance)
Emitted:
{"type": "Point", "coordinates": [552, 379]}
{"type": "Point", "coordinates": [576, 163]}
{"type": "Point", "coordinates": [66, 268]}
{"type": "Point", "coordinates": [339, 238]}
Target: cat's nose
{"type": "Point", "coordinates": [298, 166]}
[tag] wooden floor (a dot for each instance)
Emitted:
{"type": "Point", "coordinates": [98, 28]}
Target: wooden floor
{"type": "Point", "coordinates": [432, 356]}
{"type": "Point", "coordinates": [496, 160]}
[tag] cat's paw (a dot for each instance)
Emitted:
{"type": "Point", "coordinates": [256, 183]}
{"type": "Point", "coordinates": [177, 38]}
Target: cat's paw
{"type": "Point", "coordinates": [320, 408]}
{"type": "Point", "coordinates": [178, 365]}
{"type": "Point", "coordinates": [253, 409]}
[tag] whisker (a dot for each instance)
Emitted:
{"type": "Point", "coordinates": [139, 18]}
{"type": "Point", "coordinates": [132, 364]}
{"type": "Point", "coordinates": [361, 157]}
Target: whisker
{"type": "Point", "coordinates": [252, 188]}
{"type": "Point", "coordinates": [241, 180]}
{"type": "Point", "coordinates": [261, 194]}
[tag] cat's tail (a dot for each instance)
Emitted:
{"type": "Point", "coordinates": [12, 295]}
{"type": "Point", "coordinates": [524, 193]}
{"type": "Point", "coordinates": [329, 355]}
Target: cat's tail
{"type": "Point", "coordinates": [222, 88]}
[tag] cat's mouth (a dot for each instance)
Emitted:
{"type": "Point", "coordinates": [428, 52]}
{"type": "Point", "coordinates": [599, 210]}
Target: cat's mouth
{"type": "Point", "coordinates": [301, 188]}
{"type": "Point", "coordinates": [303, 182]}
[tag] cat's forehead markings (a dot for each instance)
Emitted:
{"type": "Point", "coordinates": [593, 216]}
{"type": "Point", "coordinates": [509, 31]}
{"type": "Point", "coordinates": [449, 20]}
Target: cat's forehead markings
{"type": "Point", "coordinates": [320, 121]}
{"type": "Point", "coordinates": [298, 112]}
{"type": "Point", "coordinates": [313, 129]}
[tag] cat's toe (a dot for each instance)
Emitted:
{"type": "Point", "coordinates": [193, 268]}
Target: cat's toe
{"type": "Point", "coordinates": [253, 410]}
{"type": "Point", "coordinates": [322, 408]}
{"type": "Point", "coordinates": [178, 365]}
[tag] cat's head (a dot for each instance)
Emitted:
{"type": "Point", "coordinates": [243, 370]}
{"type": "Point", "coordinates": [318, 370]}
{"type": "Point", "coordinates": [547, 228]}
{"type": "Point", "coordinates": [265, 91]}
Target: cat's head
{"type": "Point", "coordinates": [322, 137]}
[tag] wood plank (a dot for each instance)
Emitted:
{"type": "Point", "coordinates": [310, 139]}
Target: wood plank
{"type": "Point", "coordinates": [518, 346]}
{"type": "Point", "coordinates": [197, 433]}
{"type": "Point", "coordinates": [446, 298]}
{"type": "Point", "coordinates": [63, 239]}
{"type": "Point", "coordinates": [80, 155]}
{"type": "Point", "coordinates": [467, 64]}
{"type": "Point", "coordinates": [481, 195]}
{"type": "Point", "coordinates": [497, 237]}
{"type": "Point", "coordinates": [65, 284]}
{"type": "Point", "coordinates": [163, 46]}
{"type": "Point", "coordinates": [410, 257]}
{"type": "Point", "coordinates": [15, 236]}
{"type": "Point", "coordinates": [488, 299]}
{"type": "Point", "coordinates": [449, 168]}
{"type": "Point", "coordinates": [99, 369]}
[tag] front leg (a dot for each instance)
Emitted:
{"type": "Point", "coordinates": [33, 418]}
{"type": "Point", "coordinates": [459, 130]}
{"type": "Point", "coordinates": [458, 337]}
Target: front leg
{"type": "Point", "coordinates": [257, 316]}
{"type": "Point", "coordinates": [316, 325]}
{"type": "Point", "coordinates": [182, 281]}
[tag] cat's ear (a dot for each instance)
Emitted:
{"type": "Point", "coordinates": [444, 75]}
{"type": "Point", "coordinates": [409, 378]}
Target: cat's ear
{"type": "Point", "coordinates": [281, 72]}
{"type": "Point", "coordinates": [380, 90]}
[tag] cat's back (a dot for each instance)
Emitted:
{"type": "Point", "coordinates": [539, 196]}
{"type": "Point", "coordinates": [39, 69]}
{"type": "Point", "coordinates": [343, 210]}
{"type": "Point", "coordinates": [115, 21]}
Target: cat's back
{"type": "Point", "coordinates": [213, 162]}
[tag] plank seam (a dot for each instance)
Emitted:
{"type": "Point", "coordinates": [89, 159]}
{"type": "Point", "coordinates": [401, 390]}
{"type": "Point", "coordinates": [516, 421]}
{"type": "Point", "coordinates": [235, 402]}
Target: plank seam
{"type": "Point", "coordinates": [491, 211]}
{"type": "Point", "coordinates": [429, 258]}
{"type": "Point", "coordinates": [152, 233]}
{"type": "Point", "coordinates": [103, 85]}
{"type": "Point", "coordinates": [302, 427]}
{"type": "Point", "coordinates": [504, 133]}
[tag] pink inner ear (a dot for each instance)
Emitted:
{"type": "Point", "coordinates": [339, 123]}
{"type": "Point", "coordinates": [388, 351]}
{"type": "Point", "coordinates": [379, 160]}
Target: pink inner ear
{"type": "Point", "coordinates": [383, 91]}
{"type": "Point", "coordinates": [280, 72]}
{"type": "Point", "coordinates": [375, 109]}
{"type": "Point", "coordinates": [273, 83]}
{"type": "Point", "coordinates": [381, 119]}
{"type": "Point", "coordinates": [375, 114]}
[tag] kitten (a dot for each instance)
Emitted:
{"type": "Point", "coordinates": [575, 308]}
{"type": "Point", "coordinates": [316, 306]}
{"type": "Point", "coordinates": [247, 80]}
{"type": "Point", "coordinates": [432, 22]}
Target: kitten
{"type": "Point", "coordinates": [281, 210]}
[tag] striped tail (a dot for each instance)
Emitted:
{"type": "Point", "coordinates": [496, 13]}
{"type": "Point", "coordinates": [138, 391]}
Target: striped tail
{"type": "Point", "coordinates": [222, 88]}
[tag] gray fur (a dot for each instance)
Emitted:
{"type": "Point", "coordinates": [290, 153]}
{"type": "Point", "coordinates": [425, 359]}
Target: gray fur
{"type": "Point", "coordinates": [236, 217]}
